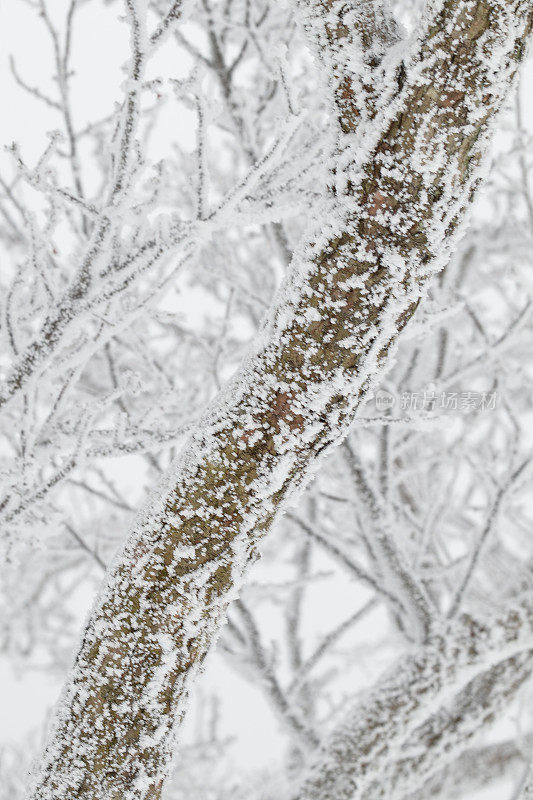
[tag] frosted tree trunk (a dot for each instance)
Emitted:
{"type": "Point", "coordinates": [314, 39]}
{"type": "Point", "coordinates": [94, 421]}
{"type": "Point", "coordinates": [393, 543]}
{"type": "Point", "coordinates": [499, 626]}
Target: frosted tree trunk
{"type": "Point", "coordinates": [481, 666]}
{"type": "Point", "coordinates": [412, 135]}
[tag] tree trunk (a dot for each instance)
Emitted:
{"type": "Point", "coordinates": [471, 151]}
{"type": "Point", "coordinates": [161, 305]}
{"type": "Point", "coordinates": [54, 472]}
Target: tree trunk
{"type": "Point", "coordinates": [431, 703]}
{"type": "Point", "coordinates": [412, 136]}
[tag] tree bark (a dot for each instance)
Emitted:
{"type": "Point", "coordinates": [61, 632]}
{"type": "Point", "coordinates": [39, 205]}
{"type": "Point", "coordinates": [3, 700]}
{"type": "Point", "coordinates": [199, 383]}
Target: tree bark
{"type": "Point", "coordinates": [432, 702]}
{"type": "Point", "coordinates": [406, 168]}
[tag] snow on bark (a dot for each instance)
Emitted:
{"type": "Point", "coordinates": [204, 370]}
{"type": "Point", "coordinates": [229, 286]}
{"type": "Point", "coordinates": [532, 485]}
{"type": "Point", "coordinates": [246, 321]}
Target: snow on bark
{"type": "Point", "coordinates": [364, 755]}
{"type": "Point", "coordinates": [403, 180]}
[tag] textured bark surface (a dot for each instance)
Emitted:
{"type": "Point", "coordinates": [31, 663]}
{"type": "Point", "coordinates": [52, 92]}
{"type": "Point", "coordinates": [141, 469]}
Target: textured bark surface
{"type": "Point", "coordinates": [480, 666]}
{"type": "Point", "coordinates": [402, 184]}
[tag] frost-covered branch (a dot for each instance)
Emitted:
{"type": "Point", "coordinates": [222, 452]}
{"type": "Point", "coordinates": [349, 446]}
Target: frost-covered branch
{"type": "Point", "coordinates": [397, 212]}
{"type": "Point", "coordinates": [369, 738]}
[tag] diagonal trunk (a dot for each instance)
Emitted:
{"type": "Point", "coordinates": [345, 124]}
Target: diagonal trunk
{"type": "Point", "coordinates": [403, 181]}
{"type": "Point", "coordinates": [431, 703]}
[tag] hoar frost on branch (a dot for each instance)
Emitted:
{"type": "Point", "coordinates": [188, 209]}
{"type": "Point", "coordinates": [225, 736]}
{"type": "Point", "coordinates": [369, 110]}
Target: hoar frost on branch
{"type": "Point", "coordinates": [413, 129]}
